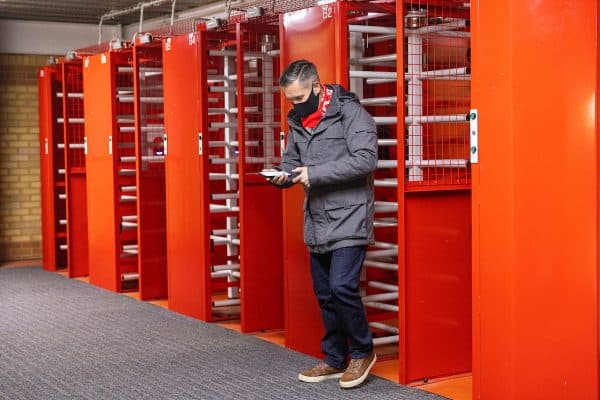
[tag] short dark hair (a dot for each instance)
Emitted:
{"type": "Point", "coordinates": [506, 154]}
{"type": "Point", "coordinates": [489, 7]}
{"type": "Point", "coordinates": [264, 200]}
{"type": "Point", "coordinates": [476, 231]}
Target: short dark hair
{"type": "Point", "coordinates": [298, 70]}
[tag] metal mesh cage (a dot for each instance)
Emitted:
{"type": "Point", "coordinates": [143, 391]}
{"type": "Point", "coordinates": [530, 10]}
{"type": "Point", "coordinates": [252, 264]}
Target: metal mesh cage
{"type": "Point", "coordinates": [437, 94]}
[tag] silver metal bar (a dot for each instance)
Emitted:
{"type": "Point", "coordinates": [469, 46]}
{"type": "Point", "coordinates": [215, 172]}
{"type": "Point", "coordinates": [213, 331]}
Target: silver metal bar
{"type": "Point", "coordinates": [217, 176]}
{"type": "Point", "coordinates": [380, 38]}
{"type": "Point", "coordinates": [62, 196]}
{"type": "Point", "coordinates": [127, 129]}
{"type": "Point", "coordinates": [386, 340]}
{"type": "Point", "coordinates": [62, 221]}
{"type": "Point", "coordinates": [254, 125]}
{"type": "Point", "coordinates": [130, 276]}
{"type": "Point", "coordinates": [384, 327]}
{"type": "Point", "coordinates": [380, 101]}
{"type": "Point", "coordinates": [221, 274]}
{"type": "Point", "coordinates": [219, 208]}
{"type": "Point", "coordinates": [382, 286]}
{"type": "Point", "coordinates": [76, 146]}
{"type": "Point", "coordinates": [377, 81]}
{"type": "Point", "coordinates": [145, 99]}
{"type": "Point", "coordinates": [129, 225]}
{"type": "Point", "coordinates": [382, 306]}
{"type": "Point", "coordinates": [380, 297]}
{"type": "Point", "coordinates": [387, 142]}
{"type": "Point", "coordinates": [222, 125]}
{"type": "Point", "coordinates": [453, 24]}
{"type": "Point", "coordinates": [374, 59]}
{"type": "Point", "coordinates": [63, 247]}
{"type": "Point", "coordinates": [386, 182]}
{"type": "Point", "coordinates": [62, 171]}
{"type": "Point", "coordinates": [225, 267]}
{"type": "Point", "coordinates": [254, 90]}
{"type": "Point", "coordinates": [387, 164]}
{"type": "Point", "coordinates": [70, 95]}
{"type": "Point", "coordinates": [386, 120]}
{"type": "Point", "coordinates": [381, 265]}
{"type": "Point", "coordinates": [127, 198]}
{"type": "Point", "coordinates": [130, 251]}
{"type": "Point", "coordinates": [221, 161]}
{"type": "Point", "coordinates": [141, 69]}
{"type": "Point", "coordinates": [128, 189]}
{"type": "Point", "coordinates": [380, 30]}
{"type": "Point", "coordinates": [226, 303]}
{"type": "Point", "coordinates": [385, 206]}
{"type": "Point", "coordinates": [129, 218]}
{"type": "Point", "coordinates": [71, 120]}
{"type": "Point", "coordinates": [373, 74]}
{"type": "Point", "coordinates": [129, 247]}
{"type": "Point", "coordinates": [126, 171]}
{"type": "Point", "coordinates": [236, 274]}
{"type": "Point", "coordinates": [385, 222]}
{"type": "Point", "coordinates": [224, 196]}
{"type": "Point", "coordinates": [385, 245]}
{"type": "Point", "coordinates": [224, 232]}
{"type": "Point", "coordinates": [60, 145]}
{"type": "Point", "coordinates": [385, 253]}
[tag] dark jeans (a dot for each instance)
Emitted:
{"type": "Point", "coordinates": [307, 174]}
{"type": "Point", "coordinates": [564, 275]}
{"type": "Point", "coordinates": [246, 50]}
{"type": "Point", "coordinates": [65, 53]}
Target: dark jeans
{"type": "Point", "coordinates": [336, 276]}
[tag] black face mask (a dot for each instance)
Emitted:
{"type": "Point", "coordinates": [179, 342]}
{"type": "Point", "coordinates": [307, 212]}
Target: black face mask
{"type": "Point", "coordinates": [309, 106]}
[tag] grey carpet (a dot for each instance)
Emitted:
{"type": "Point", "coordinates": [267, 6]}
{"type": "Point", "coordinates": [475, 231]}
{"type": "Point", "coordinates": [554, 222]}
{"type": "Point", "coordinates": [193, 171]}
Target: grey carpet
{"type": "Point", "coordinates": [64, 339]}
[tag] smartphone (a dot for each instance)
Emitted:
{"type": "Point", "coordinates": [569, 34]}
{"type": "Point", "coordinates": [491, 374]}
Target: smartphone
{"type": "Point", "coordinates": [273, 174]}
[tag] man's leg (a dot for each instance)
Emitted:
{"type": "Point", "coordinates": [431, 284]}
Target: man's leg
{"type": "Point", "coordinates": [335, 343]}
{"type": "Point", "coordinates": [344, 278]}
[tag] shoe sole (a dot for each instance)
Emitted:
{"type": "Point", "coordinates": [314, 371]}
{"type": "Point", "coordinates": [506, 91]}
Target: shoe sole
{"type": "Point", "coordinates": [317, 379]}
{"type": "Point", "coordinates": [360, 379]}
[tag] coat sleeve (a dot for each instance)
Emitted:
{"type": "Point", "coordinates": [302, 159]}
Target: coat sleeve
{"type": "Point", "coordinates": [290, 159]}
{"type": "Point", "coordinates": [361, 140]}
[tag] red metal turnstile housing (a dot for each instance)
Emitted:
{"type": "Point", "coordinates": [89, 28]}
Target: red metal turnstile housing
{"type": "Point", "coordinates": [417, 281]}
{"type": "Point", "coordinates": [126, 164]}
{"type": "Point", "coordinates": [52, 167]}
{"type": "Point", "coordinates": [220, 213]}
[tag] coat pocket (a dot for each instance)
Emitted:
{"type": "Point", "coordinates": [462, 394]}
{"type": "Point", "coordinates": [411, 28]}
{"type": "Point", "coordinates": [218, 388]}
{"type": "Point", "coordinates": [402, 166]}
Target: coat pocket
{"type": "Point", "coordinates": [347, 222]}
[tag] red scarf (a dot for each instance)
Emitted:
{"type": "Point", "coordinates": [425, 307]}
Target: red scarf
{"type": "Point", "coordinates": [311, 121]}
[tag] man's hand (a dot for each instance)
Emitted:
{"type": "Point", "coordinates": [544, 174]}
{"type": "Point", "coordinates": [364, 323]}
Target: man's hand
{"type": "Point", "coordinates": [278, 180]}
{"type": "Point", "coordinates": [302, 176]}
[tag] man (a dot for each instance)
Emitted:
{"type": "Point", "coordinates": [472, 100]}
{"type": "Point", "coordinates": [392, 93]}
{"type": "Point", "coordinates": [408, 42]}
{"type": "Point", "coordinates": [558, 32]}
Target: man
{"type": "Point", "coordinates": [332, 151]}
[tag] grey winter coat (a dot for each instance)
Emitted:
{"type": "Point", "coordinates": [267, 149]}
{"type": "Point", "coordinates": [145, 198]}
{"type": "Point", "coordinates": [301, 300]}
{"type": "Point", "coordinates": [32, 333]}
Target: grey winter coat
{"type": "Point", "coordinates": [341, 155]}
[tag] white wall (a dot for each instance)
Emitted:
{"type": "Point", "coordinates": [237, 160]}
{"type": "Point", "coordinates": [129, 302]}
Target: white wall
{"type": "Point", "coordinates": [55, 38]}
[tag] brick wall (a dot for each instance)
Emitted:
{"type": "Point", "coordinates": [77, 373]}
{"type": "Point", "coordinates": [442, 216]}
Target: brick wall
{"type": "Point", "coordinates": [20, 218]}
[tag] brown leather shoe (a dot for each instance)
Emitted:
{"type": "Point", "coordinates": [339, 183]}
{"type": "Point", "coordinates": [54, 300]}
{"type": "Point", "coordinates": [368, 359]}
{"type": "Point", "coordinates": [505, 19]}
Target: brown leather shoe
{"type": "Point", "coordinates": [357, 371]}
{"type": "Point", "coordinates": [320, 373]}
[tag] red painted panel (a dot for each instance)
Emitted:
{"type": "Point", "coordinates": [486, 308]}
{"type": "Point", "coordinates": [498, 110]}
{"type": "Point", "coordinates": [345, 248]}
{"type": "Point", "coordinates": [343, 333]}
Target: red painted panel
{"type": "Point", "coordinates": [99, 90]}
{"type": "Point", "coordinates": [188, 247]}
{"type": "Point", "coordinates": [437, 284]}
{"type": "Point", "coordinates": [535, 206]}
{"type": "Point", "coordinates": [77, 226]}
{"type": "Point", "coordinates": [304, 34]}
{"type": "Point", "coordinates": [49, 109]}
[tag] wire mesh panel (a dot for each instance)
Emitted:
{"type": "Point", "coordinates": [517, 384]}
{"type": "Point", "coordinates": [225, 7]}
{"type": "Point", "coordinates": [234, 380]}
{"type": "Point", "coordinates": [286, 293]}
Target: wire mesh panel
{"type": "Point", "coordinates": [73, 115]}
{"type": "Point", "coordinates": [437, 96]}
